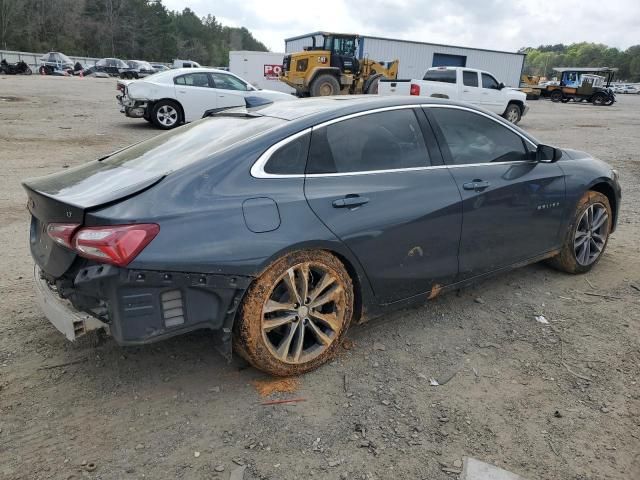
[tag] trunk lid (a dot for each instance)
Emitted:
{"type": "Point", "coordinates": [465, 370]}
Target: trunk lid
{"type": "Point", "coordinates": [65, 197]}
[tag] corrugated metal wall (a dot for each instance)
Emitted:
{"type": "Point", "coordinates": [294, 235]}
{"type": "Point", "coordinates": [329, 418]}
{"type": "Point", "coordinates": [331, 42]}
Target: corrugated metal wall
{"type": "Point", "coordinates": [416, 58]}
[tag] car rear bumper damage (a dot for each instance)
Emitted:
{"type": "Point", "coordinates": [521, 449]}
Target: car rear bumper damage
{"type": "Point", "coordinates": [132, 108]}
{"type": "Point", "coordinates": [137, 307]}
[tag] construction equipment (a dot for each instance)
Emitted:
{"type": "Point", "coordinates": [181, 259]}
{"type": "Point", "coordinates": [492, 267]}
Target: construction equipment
{"type": "Point", "coordinates": [529, 84]}
{"type": "Point", "coordinates": [334, 68]}
{"type": "Point", "coordinates": [582, 84]}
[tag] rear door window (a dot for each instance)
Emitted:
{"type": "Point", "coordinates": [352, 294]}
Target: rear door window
{"type": "Point", "coordinates": [389, 140]}
{"type": "Point", "coordinates": [193, 80]}
{"type": "Point", "coordinates": [470, 79]}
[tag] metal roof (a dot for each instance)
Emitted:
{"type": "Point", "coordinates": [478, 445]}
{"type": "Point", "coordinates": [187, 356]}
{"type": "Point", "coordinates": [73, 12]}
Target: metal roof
{"type": "Point", "coordinates": [585, 69]}
{"type": "Point", "coordinates": [298, 37]}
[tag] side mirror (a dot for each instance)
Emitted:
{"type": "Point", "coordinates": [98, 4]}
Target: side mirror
{"type": "Point", "coordinates": [548, 154]}
{"type": "Point", "coordinates": [500, 86]}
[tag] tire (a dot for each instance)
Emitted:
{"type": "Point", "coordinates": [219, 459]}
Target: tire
{"type": "Point", "coordinates": [513, 113]}
{"type": "Point", "coordinates": [42, 70]}
{"type": "Point", "coordinates": [566, 100]}
{"type": "Point", "coordinates": [572, 258]}
{"type": "Point", "coordinates": [282, 336]}
{"type": "Point", "coordinates": [371, 85]}
{"type": "Point", "coordinates": [166, 114]}
{"type": "Point", "coordinates": [599, 99]}
{"type": "Point", "coordinates": [556, 96]}
{"type": "Point", "coordinates": [28, 71]}
{"type": "Point", "coordinates": [324, 85]}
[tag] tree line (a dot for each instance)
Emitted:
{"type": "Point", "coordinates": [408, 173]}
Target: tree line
{"type": "Point", "coordinates": [127, 29]}
{"type": "Point", "coordinates": [542, 60]}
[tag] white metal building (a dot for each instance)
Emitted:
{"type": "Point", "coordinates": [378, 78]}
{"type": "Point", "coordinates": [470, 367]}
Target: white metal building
{"type": "Point", "coordinates": [416, 57]}
{"type": "Point", "coordinates": [260, 69]}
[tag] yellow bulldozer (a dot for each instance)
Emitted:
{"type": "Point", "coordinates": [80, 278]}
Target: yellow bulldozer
{"type": "Point", "coordinates": [334, 68]}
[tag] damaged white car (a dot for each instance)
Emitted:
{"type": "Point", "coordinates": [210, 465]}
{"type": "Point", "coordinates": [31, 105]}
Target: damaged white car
{"type": "Point", "coordinates": [182, 95]}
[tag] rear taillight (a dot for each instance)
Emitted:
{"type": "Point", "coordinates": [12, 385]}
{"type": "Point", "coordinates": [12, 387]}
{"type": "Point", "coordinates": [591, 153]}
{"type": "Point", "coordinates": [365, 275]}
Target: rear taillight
{"type": "Point", "coordinates": [61, 233]}
{"type": "Point", "coordinates": [414, 89]}
{"type": "Point", "coordinates": [115, 244]}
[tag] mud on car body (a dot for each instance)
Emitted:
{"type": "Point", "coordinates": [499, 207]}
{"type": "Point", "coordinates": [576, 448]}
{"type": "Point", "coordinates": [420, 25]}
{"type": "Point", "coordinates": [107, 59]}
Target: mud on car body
{"type": "Point", "coordinates": [276, 227]}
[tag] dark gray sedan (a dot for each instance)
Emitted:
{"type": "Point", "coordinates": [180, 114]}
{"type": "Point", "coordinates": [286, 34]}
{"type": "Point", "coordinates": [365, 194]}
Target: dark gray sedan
{"type": "Point", "coordinates": [277, 227]}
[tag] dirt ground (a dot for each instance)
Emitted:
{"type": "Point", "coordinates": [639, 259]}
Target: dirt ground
{"type": "Point", "coordinates": [556, 401]}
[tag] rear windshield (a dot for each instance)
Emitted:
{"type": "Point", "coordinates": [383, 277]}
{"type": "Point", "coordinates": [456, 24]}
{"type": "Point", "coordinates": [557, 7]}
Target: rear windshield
{"type": "Point", "coordinates": [447, 76]}
{"type": "Point", "coordinates": [185, 145]}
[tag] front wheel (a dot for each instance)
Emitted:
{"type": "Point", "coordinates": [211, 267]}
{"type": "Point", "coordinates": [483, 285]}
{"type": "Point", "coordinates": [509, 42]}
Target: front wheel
{"type": "Point", "coordinates": [599, 99]}
{"type": "Point", "coordinates": [295, 315]}
{"type": "Point", "coordinates": [325, 85]}
{"type": "Point", "coordinates": [587, 236]}
{"type": "Point", "coordinates": [513, 113]}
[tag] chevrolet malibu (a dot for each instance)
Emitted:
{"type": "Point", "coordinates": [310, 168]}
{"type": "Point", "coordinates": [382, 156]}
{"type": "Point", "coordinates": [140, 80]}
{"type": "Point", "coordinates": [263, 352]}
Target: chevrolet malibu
{"type": "Point", "coordinates": [277, 227]}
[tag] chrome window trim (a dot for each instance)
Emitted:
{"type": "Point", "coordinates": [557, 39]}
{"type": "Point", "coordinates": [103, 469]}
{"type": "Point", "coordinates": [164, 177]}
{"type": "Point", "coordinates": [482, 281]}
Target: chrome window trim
{"type": "Point", "coordinates": [257, 169]}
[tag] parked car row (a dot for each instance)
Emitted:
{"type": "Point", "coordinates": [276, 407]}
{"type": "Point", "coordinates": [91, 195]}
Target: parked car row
{"type": "Point", "coordinates": [57, 63]}
{"type": "Point", "coordinates": [634, 89]}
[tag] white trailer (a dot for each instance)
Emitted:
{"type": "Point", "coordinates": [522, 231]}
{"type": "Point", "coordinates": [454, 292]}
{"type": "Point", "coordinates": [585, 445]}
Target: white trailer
{"type": "Point", "coordinates": [260, 69]}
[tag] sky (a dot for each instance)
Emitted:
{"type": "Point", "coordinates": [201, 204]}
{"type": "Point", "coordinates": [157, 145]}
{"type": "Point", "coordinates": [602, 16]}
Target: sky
{"type": "Point", "coordinates": [493, 24]}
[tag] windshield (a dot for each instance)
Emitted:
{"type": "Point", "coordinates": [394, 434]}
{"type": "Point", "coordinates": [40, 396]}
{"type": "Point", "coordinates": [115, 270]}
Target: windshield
{"type": "Point", "coordinates": [341, 45]}
{"type": "Point", "coordinates": [185, 145]}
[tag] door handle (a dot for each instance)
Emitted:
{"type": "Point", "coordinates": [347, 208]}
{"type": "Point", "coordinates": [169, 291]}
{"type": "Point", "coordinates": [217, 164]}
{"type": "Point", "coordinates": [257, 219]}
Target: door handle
{"type": "Point", "coordinates": [476, 185]}
{"type": "Point", "coordinates": [350, 201]}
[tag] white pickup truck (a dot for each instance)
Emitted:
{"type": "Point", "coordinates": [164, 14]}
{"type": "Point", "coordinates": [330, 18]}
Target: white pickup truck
{"type": "Point", "coordinates": [465, 85]}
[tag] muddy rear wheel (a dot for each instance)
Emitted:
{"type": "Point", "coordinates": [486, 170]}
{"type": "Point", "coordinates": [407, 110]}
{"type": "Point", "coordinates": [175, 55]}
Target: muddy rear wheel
{"type": "Point", "coordinates": [295, 314]}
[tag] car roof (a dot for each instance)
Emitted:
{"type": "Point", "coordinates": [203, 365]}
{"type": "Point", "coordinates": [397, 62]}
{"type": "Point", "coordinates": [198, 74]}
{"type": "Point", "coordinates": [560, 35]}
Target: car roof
{"type": "Point", "coordinates": [343, 105]}
{"type": "Point", "coordinates": [198, 69]}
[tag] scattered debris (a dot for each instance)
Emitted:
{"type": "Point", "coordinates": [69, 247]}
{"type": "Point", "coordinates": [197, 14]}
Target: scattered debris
{"type": "Point", "coordinates": [635, 287]}
{"type": "Point", "coordinates": [557, 414]}
{"type": "Point", "coordinates": [334, 463]}
{"type": "Point", "coordinates": [269, 386]}
{"type": "Point", "coordinates": [457, 463]}
{"type": "Point", "coordinates": [219, 468]}
{"type": "Point", "coordinates": [139, 446]}
{"type": "Point", "coordinates": [379, 346]}
{"type": "Point", "coordinates": [541, 319]}
{"type": "Point", "coordinates": [477, 470]}
{"type": "Point", "coordinates": [433, 382]}
{"type": "Point", "coordinates": [238, 473]}
{"type": "Point", "coordinates": [286, 400]}
{"type": "Point", "coordinates": [574, 373]}
{"type": "Point", "coordinates": [49, 367]}
{"type": "Point", "coordinates": [479, 300]}
{"type": "Point", "coordinates": [488, 345]}
{"type": "Point", "coordinates": [196, 454]}
{"type": "Point", "coordinates": [90, 467]}
{"type": "Point", "coordinates": [601, 295]}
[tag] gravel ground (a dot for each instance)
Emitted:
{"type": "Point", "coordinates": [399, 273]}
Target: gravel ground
{"type": "Point", "coordinates": [557, 401]}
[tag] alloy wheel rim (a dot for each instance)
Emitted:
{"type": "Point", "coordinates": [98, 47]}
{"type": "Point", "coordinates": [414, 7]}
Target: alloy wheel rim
{"type": "Point", "coordinates": [591, 234]}
{"type": "Point", "coordinates": [304, 313]}
{"type": "Point", "coordinates": [167, 115]}
{"type": "Point", "coordinates": [512, 115]}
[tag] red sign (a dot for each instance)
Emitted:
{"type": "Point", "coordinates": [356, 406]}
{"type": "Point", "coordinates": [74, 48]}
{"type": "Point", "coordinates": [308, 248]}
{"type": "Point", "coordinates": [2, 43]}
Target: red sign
{"type": "Point", "coordinates": [272, 72]}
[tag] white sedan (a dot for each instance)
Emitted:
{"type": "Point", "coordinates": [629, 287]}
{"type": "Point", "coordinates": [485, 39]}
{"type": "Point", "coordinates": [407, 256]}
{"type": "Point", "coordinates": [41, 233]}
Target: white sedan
{"type": "Point", "coordinates": [181, 95]}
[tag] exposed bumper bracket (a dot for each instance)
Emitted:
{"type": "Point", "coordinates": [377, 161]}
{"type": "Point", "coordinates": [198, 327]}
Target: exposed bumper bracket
{"type": "Point", "coordinates": [69, 321]}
